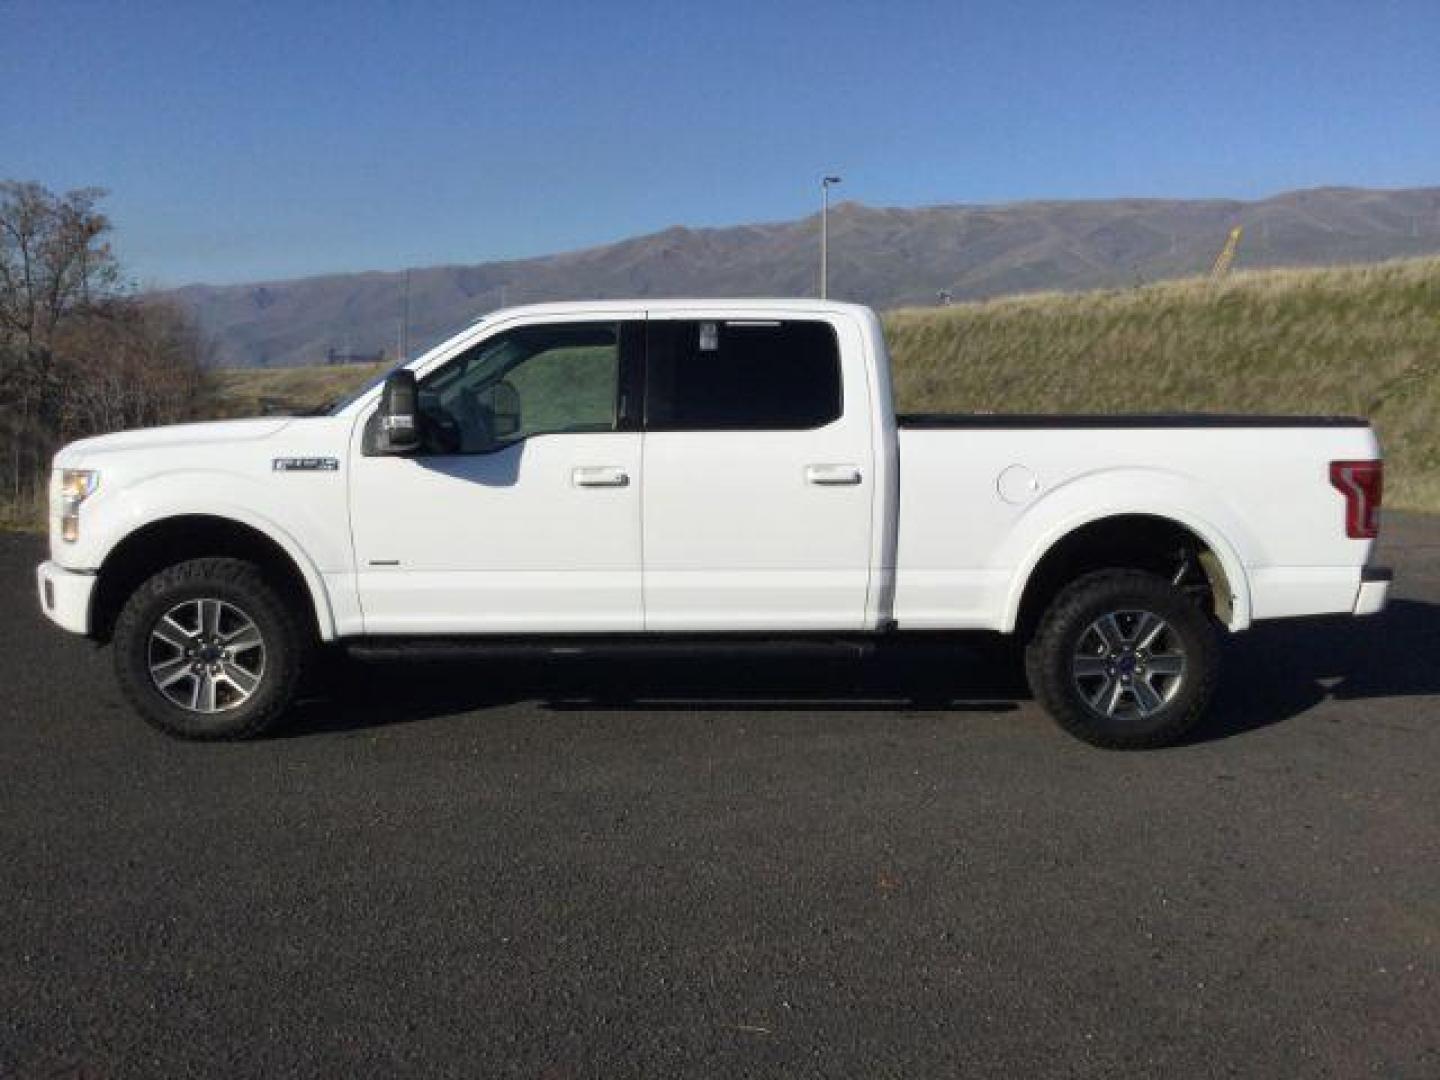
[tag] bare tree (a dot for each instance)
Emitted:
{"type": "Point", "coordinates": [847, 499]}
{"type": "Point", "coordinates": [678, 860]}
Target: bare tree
{"type": "Point", "coordinates": [79, 354]}
{"type": "Point", "coordinates": [151, 372]}
{"type": "Point", "coordinates": [54, 259]}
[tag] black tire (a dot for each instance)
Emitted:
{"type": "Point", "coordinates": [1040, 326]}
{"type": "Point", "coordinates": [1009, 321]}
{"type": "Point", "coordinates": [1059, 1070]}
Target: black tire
{"type": "Point", "coordinates": [1071, 666]}
{"type": "Point", "coordinates": [242, 589]}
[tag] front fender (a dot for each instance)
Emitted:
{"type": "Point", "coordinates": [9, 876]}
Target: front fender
{"type": "Point", "coordinates": [1109, 493]}
{"type": "Point", "coordinates": [201, 492]}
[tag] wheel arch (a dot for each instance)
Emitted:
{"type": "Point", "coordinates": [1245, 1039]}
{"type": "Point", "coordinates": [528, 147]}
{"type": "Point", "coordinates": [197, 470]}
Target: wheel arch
{"type": "Point", "coordinates": [173, 539]}
{"type": "Point", "coordinates": [1127, 539]}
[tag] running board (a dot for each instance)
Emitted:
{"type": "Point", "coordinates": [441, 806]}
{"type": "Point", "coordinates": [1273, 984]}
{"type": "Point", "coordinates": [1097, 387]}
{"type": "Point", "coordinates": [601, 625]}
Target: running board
{"type": "Point", "coordinates": [493, 647]}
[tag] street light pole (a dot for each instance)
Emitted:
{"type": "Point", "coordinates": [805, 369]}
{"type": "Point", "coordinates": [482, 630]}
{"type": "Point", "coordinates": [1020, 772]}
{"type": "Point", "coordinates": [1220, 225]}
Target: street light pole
{"type": "Point", "coordinates": [825, 232]}
{"type": "Point", "coordinates": [402, 324]}
{"type": "Point", "coordinates": [405, 321]}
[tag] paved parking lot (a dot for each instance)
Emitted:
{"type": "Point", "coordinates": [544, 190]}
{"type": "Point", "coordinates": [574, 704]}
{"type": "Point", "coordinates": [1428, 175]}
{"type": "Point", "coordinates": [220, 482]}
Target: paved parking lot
{"type": "Point", "coordinates": [730, 868]}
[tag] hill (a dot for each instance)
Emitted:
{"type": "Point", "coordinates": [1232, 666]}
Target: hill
{"type": "Point", "coordinates": [1362, 339]}
{"type": "Point", "coordinates": [238, 392]}
{"type": "Point", "coordinates": [887, 258]}
{"type": "Point", "coordinates": [1357, 340]}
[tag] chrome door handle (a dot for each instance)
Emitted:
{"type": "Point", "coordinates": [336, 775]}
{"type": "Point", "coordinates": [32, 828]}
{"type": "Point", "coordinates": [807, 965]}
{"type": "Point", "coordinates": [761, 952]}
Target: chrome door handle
{"type": "Point", "coordinates": [832, 475]}
{"type": "Point", "coordinates": [600, 476]}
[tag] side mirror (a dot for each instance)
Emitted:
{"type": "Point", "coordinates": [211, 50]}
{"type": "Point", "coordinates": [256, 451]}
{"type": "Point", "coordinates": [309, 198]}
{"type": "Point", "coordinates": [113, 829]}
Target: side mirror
{"type": "Point", "coordinates": [398, 421]}
{"type": "Point", "coordinates": [505, 408]}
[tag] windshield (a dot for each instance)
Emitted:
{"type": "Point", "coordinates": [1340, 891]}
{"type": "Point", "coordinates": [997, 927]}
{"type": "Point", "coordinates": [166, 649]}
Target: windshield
{"type": "Point", "coordinates": [338, 406]}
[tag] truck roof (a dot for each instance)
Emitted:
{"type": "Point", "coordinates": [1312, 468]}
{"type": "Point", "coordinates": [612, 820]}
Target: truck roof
{"type": "Point", "coordinates": [716, 304]}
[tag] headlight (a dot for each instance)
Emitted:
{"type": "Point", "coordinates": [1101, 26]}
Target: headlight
{"type": "Point", "coordinates": [76, 485]}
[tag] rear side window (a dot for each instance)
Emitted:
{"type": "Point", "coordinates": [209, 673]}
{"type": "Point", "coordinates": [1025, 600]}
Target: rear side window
{"type": "Point", "coordinates": [741, 376]}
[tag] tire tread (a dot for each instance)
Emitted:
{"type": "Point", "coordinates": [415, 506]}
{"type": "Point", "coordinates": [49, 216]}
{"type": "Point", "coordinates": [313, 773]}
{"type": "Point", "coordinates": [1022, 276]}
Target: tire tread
{"type": "Point", "coordinates": [285, 658]}
{"type": "Point", "coordinates": [1047, 661]}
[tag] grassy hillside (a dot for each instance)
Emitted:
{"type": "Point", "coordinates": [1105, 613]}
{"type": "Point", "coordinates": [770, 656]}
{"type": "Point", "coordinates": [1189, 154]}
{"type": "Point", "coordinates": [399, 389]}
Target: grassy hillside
{"type": "Point", "coordinates": [252, 392]}
{"type": "Point", "coordinates": [885, 257]}
{"type": "Point", "coordinates": [1360, 340]}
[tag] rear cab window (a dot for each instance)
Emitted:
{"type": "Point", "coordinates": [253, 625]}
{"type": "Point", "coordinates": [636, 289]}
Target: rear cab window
{"type": "Point", "coordinates": [742, 375]}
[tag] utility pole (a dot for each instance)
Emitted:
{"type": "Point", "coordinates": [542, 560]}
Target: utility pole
{"type": "Point", "coordinates": [405, 319]}
{"type": "Point", "coordinates": [825, 233]}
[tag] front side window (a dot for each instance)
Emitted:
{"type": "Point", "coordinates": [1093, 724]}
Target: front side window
{"type": "Point", "coordinates": [748, 375]}
{"type": "Point", "coordinates": [535, 380]}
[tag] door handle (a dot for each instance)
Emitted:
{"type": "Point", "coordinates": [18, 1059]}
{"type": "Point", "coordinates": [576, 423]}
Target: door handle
{"type": "Point", "coordinates": [832, 475]}
{"type": "Point", "coordinates": [600, 476]}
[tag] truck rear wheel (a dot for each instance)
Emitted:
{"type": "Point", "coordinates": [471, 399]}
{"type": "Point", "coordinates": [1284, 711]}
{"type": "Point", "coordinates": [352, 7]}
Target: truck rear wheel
{"type": "Point", "coordinates": [1123, 659]}
{"type": "Point", "coordinates": [207, 649]}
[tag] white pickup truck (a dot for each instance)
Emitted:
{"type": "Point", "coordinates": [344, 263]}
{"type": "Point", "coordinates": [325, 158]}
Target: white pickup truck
{"type": "Point", "coordinates": [699, 474]}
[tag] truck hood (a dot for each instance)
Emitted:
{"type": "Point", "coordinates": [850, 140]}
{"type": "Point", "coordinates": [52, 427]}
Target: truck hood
{"type": "Point", "coordinates": [189, 435]}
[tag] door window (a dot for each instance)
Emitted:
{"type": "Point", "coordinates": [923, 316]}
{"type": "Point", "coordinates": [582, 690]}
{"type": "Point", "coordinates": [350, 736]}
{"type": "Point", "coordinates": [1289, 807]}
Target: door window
{"type": "Point", "coordinates": [741, 375]}
{"type": "Point", "coordinates": [535, 380]}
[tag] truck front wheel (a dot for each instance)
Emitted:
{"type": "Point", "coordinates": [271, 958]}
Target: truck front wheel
{"type": "Point", "coordinates": [1124, 659]}
{"type": "Point", "coordinates": [208, 649]}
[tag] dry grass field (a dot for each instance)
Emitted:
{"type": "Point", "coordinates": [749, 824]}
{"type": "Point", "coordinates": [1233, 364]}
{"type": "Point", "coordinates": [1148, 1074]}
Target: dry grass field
{"type": "Point", "coordinates": [1362, 339]}
{"type": "Point", "coordinates": [255, 391]}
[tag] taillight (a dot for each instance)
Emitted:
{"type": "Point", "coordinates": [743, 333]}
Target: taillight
{"type": "Point", "coordinates": [1362, 483]}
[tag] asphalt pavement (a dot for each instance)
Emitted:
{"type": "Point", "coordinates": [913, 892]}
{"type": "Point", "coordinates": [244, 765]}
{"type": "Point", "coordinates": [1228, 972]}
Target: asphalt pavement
{"type": "Point", "coordinates": [730, 868]}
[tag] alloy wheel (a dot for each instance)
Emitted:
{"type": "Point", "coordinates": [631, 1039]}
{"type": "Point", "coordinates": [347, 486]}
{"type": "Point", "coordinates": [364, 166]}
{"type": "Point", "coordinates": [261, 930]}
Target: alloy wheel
{"type": "Point", "coordinates": [206, 655]}
{"type": "Point", "coordinates": [1128, 664]}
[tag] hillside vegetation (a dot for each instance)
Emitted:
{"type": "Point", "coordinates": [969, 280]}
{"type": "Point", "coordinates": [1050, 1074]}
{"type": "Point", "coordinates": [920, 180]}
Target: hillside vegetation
{"type": "Point", "coordinates": [1362, 340]}
{"type": "Point", "coordinates": [81, 352]}
{"type": "Point", "coordinates": [885, 257]}
{"type": "Point", "coordinates": [254, 392]}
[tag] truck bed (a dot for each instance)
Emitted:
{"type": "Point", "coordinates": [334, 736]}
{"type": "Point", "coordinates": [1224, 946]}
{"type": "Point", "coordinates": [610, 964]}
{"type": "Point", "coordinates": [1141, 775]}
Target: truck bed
{"type": "Point", "coordinates": [1122, 420]}
{"type": "Point", "coordinates": [981, 492]}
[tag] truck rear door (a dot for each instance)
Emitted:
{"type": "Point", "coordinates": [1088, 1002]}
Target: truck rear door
{"type": "Point", "coordinates": [758, 475]}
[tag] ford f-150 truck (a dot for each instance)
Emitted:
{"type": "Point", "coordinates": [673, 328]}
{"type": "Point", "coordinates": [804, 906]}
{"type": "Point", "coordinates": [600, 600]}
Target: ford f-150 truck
{"type": "Point", "coordinates": [699, 474]}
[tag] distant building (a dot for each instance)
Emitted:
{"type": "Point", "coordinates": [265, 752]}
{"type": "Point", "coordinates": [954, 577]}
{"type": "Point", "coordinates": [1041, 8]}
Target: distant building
{"type": "Point", "coordinates": [346, 356]}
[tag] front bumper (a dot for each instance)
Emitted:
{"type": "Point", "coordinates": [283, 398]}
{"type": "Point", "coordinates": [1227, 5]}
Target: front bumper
{"type": "Point", "coordinates": [1374, 590]}
{"type": "Point", "coordinates": [65, 596]}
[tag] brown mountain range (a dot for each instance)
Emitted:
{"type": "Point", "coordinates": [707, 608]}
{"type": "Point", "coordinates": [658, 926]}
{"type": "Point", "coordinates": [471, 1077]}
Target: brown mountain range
{"type": "Point", "coordinates": [883, 257]}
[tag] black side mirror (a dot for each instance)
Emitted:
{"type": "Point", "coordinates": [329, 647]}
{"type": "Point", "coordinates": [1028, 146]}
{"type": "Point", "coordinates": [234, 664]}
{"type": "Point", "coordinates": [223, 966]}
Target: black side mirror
{"type": "Point", "coordinates": [398, 421]}
{"type": "Point", "coordinates": [505, 408]}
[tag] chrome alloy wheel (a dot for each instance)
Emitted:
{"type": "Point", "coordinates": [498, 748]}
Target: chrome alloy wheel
{"type": "Point", "coordinates": [1128, 664]}
{"type": "Point", "coordinates": [206, 655]}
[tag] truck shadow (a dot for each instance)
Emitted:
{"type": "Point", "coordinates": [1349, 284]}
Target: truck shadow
{"type": "Point", "coordinates": [1279, 670]}
{"type": "Point", "coordinates": [1273, 673]}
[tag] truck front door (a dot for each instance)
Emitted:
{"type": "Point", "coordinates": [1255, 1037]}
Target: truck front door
{"type": "Point", "coordinates": [521, 511]}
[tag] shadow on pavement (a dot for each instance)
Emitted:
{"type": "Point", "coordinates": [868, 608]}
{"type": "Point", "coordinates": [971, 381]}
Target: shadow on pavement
{"type": "Point", "coordinates": [1278, 670]}
{"type": "Point", "coordinates": [979, 676]}
{"type": "Point", "coordinates": [1272, 673]}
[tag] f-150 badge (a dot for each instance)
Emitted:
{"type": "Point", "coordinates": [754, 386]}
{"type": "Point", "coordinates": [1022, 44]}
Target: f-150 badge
{"type": "Point", "coordinates": [306, 464]}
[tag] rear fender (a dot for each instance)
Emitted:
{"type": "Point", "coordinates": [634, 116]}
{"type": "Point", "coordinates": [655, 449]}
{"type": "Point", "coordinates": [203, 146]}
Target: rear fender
{"type": "Point", "coordinates": [1116, 493]}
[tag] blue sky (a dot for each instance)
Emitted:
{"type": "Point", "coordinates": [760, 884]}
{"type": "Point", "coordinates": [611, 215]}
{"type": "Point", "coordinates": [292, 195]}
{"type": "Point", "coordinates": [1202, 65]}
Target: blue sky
{"type": "Point", "coordinates": [245, 141]}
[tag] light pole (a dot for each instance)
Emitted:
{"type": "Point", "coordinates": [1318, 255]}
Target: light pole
{"type": "Point", "coordinates": [402, 331]}
{"type": "Point", "coordinates": [825, 232]}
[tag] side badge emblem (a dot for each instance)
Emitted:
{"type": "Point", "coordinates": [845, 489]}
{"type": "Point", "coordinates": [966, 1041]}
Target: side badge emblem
{"type": "Point", "coordinates": [306, 464]}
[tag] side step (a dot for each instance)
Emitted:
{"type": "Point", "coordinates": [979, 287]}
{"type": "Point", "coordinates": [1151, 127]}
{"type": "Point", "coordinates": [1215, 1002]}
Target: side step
{"type": "Point", "coordinates": [505, 647]}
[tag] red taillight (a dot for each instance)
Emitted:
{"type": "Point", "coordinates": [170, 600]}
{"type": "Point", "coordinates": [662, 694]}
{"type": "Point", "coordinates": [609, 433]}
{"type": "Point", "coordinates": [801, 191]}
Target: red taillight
{"type": "Point", "coordinates": [1362, 483]}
